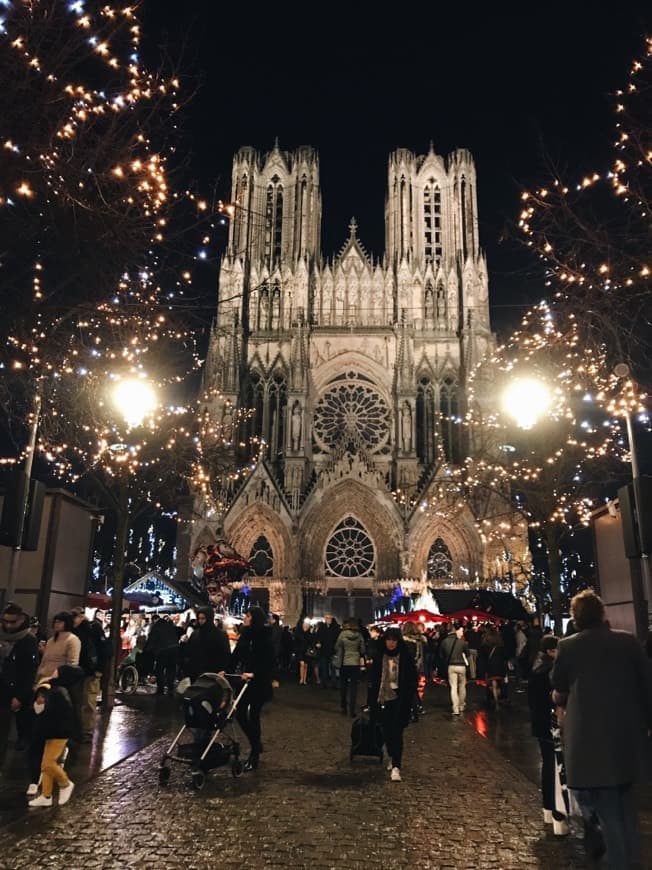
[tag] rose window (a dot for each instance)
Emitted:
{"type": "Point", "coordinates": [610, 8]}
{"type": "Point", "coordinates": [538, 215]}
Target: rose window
{"type": "Point", "coordinates": [353, 410]}
{"type": "Point", "coordinates": [349, 552]}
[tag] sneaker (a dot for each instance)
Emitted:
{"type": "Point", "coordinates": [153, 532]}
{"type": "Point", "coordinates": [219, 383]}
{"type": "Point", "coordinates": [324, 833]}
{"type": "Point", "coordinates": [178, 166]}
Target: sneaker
{"type": "Point", "coordinates": [547, 817]}
{"type": "Point", "coordinates": [41, 801]}
{"type": "Point", "coordinates": [396, 774]}
{"type": "Point", "coordinates": [64, 793]}
{"type": "Point", "coordinates": [560, 829]}
{"type": "Point", "coordinates": [32, 789]}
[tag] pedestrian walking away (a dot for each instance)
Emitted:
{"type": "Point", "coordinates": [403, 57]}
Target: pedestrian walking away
{"type": "Point", "coordinates": [455, 651]}
{"type": "Point", "coordinates": [545, 728]}
{"type": "Point", "coordinates": [92, 660]}
{"type": "Point", "coordinates": [603, 681]}
{"type": "Point", "coordinates": [350, 656]}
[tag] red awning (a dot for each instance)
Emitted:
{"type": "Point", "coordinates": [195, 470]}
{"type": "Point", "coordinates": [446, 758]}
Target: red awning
{"type": "Point", "coordinates": [470, 613]}
{"type": "Point", "coordinates": [415, 616]}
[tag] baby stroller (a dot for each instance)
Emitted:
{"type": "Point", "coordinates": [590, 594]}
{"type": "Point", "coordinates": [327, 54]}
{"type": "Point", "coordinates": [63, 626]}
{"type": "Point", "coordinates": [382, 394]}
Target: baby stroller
{"type": "Point", "coordinates": [209, 706]}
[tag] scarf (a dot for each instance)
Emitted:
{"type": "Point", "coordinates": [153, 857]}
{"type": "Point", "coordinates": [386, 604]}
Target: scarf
{"type": "Point", "coordinates": [389, 679]}
{"type": "Point", "coordinates": [8, 639]}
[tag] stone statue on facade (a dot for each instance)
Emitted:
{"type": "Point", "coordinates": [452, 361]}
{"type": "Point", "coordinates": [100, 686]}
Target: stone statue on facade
{"type": "Point", "coordinates": [295, 426]}
{"type": "Point", "coordinates": [406, 427]}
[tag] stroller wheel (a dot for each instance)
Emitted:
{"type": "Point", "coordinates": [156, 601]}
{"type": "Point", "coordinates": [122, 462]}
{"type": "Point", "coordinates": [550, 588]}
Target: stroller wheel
{"type": "Point", "coordinates": [237, 767]}
{"type": "Point", "coordinates": [164, 774]}
{"type": "Point", "coordinates": [128, 680]}
{"type": "Point", "coordinates": [198, 780]}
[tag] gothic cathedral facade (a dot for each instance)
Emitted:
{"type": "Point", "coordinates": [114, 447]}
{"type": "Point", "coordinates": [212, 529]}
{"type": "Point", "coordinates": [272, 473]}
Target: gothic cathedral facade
{"type": "Point", "coordinates": [355, 369]}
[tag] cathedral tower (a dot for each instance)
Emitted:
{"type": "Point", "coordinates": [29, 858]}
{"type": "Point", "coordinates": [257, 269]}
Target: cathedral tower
{"type": "Point", "coordinates": [355, 369]}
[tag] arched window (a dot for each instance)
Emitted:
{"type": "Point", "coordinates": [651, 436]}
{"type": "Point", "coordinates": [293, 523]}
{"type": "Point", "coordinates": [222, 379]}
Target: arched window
{"type": "Point", "coordinates": [425, 421]}
{"type": "Point", "coordinates": [440, 562]}
{"type": "Point", "coordinates": [268, 398]}
{"type": "Point", "coordinates": [432, 221]}
{"type": "Point", "coordinates": [257, 402]}
{"type": "Point", "coordinates": [273, 221]}
{"type": "Point", "coordinates": [277, 400]}
{"type": "Point", "coordinates": [450, 421]}
{"type": "Point", "coordinates": [349, 551]}
{"type": "Point", "coordinates": [240, 214]}
{"type": "Point", "coordinates": [261, 558]}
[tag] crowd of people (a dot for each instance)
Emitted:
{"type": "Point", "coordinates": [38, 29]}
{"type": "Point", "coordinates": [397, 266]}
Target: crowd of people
{"type": "Point", "coordinates": [50, 687]}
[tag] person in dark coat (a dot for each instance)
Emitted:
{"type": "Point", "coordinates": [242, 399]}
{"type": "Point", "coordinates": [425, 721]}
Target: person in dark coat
{"type": "Point", "coordinates": [92, 659]}
{"type": "Point", "coordinates": [254, 654]}
{"type": "Point", "coordinates": [207, 650]}
{"type": "Point", "coordinates": [495, 666]}
{"type": "Point", "coordinates": [303, 643]}
{"type": "Point", "coordinates": [603, 681]}
{"type": "Point", "coordinates": [327, 634]}
{"type": "Point", "coordinates": [393, 685]}
{"type": "Point", "coordinates": [163, 644]}
{"type": "Point", "coordinates": [277, 635]}
{"type": "Point", "coordinates": [287, 648]}
{"type": "Point", "coordinates": [539, 696]}
{"type": "Point", "coordinates": [18, 664]}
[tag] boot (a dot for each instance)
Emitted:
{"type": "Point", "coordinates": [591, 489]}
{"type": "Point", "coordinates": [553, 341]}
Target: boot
{"type": "Point", "coordinates": [252, 762]}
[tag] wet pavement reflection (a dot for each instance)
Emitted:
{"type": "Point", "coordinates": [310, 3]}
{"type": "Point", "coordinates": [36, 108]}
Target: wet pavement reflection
{"type": "Point", "coordinates": [141, 719]}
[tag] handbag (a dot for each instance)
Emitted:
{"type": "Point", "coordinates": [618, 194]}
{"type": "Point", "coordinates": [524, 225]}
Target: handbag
{"type": "Point", "coordinates": [311, 652]}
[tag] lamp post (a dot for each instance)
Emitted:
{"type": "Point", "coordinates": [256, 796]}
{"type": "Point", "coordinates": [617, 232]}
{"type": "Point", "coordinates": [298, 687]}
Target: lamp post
{"type": "Point", "coordinates": [22, 510]}
{"type": "Point", "coordinates": [135, 400]}
{"type": "Point", "coordinates": [527, 401]}
{"type": "Point", "coordinates": [622, 371]}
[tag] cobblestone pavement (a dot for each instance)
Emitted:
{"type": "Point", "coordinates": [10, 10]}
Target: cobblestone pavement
{"type": "Point", "coordinates": [460, 805]}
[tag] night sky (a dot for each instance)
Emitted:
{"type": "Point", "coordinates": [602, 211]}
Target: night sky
{"type": "Point", "coordinates": [516, 88]}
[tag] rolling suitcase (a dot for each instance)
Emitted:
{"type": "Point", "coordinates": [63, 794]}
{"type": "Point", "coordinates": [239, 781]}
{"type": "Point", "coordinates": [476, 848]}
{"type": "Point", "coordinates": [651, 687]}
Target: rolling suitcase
{"type": "Point", "coordinates": [366, 737]}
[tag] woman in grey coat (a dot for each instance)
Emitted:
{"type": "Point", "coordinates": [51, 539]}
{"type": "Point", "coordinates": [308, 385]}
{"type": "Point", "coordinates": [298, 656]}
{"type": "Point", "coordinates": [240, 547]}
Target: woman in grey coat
{"type": "Point", "coordinates": [350, 656]}
{"type": "Point", "coordinates": [603, 682]}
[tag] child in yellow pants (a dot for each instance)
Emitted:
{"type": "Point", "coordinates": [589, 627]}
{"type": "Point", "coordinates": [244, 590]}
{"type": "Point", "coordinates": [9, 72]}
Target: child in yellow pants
{"type": "Point", "coordinates": [54, 725]}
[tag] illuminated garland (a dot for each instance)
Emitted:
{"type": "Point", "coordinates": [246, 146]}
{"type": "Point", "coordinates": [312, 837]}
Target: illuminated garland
{"type": "Point", "coordinates": [613, 254]}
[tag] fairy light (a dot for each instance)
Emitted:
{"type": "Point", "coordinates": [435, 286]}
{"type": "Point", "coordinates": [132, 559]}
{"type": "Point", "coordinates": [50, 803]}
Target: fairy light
{"type": "Point", "coordinates": [566, 210]}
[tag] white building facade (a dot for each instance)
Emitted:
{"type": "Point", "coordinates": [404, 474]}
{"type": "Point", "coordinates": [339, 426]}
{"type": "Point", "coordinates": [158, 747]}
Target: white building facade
{"type": "Point", "coordinates": [356, 369]}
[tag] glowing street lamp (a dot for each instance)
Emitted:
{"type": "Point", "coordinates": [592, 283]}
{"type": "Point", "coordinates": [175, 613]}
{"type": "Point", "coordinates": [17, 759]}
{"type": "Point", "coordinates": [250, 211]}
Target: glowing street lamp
{"type": "Point", "coordinates": [526, 400]}
{"type": "Point", "coordinates": [135, 399]}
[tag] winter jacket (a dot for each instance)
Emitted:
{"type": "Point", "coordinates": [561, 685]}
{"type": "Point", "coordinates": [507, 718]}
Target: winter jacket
{"type": "Point", "coordinates": [163, 635]}
{"type": "Point", "coordinates": [407, 681]}
{"type": "Point", "coordinates": [207, 651]}
{"type": "Point", "coordinates": [57, 721]}
{"type": "Point", "coordinates": [62, 649]}
{"type": "Point", "coordinates": [254, 654]}
{"type": "Point", "coordinates": [453, 650]}
{"type": "Point", "coordinates": [93, 646]}
{"type": "Point", "coordinates": [18, 670]}
{"type": "Point", "coordinates": [607, 682]}
{"type": "Point", "coordinates": [349, 648]}
{"type": "Point", "coordinates": [539, 697]}
{"type": "Point", "coordinates": [327, 638]}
